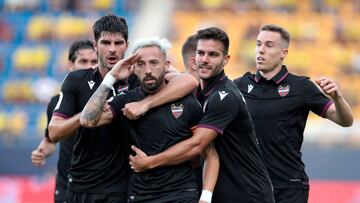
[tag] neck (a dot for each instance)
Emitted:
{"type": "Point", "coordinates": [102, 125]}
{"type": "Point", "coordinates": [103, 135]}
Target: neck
{"type": "Point", "coordinates": [203, 84]}
{"type": "Point", "coordinates": [269, 75]}
{"type": "Point", "coordinates": [103, 71]}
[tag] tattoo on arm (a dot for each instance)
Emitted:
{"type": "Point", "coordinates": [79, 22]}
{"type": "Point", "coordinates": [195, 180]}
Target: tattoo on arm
{"type": "Point", "coordinates": [93, 109]}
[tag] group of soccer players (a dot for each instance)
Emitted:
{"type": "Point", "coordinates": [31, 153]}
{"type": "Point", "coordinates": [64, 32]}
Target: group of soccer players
{"type": "Point", "coordinates": [134, 125]}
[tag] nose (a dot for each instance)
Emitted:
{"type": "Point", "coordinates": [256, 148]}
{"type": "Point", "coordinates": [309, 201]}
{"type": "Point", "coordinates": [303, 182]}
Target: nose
{"type": "Point", "coordinates": [204, 59]}
{"type": "Point", "coordinates": [147, 69]}
{"type": "Point", "coordinates": [112, 48]}
{"type": "Point", "coordinates": [260, 49]}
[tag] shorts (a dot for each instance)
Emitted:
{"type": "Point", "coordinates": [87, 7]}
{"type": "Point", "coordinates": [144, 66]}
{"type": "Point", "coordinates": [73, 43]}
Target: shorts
{"type": "Point", "coordinates": [78, 197]}
{"type": "Point", "coordinates": [291, 195]}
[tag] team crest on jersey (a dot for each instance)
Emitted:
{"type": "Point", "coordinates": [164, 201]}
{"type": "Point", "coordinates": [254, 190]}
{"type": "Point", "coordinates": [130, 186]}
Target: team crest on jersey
{"type": "Point", "coordinates": [283, 91]}
{"type": "Point", "coordinates": [177, 110]}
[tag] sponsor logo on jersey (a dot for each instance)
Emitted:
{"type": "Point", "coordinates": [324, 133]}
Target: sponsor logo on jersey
{"type": "Point", "coordinates": [222, 95]}
{"type": "Point", "coordinates": [250, 87]}
{"type": "Point", "coordinates": [91, 84]}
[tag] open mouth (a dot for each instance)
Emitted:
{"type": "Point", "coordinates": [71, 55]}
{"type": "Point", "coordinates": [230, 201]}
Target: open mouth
{"type": "Point", "coordinates": [112, 59]}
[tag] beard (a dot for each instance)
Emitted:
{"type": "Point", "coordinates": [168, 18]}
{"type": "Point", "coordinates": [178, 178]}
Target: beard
{"type": "Point", "coordinates": [153, 86]}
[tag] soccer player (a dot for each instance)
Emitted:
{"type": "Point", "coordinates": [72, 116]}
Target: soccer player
{"type": "Point", "coordinates": [279, 103]}
{"type": "Point", "coordinates": [242, 176]}
{"type": "Point", "coordinates": [155, 131]}
{"type": "Point", "coordinates": [188, 52]}
{"type": "Point", "coordinates": [82, 55]}
{"type": "Point", "coordinates": [99, 169]}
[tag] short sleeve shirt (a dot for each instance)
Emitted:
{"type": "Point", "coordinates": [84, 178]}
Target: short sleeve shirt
{"type": "Point", "coordinates": [243, 176]}
{"type": "Point", "coordinates": [279, 108]}
{"type": "Point", "coordinates": [99, 162]}
{"type": "Point", "coordinates": [154, 132]}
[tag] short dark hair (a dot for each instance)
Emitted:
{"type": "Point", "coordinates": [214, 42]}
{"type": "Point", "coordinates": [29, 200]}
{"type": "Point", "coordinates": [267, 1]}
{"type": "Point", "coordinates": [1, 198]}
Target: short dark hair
{"type": "Point", "coordinates": [189, 48]}
{"type": "Point", "coordinates": [110, 23]}
{"type": "Point", "coordinates": [215, 33]}
{"type": "Point", "coordinates": [79, 45]}
{"type": "Point", "coordinates": [275, 28]}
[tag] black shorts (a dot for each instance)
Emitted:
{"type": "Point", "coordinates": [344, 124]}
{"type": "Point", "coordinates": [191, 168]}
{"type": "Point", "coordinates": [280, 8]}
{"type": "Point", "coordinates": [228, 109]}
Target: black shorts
{"type": "Point", "coordinates": [77, 197]}
{"type": "Point", "coordinates": [60, 193]}
{"type": "Point", "coordinates": [291, 195]}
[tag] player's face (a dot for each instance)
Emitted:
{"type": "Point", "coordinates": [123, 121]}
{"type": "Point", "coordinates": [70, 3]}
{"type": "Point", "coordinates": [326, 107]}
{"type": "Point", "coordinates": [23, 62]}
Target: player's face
{"type": "Point", "coordinates": [150, 68]}
{"type": "Point", "coordinates": [210, 58]}
{"type": "Point", "coordinates": [85, 58]}
{"type": "Point", "coordinates": [111, 48]}
{"type": "Point", "coordinates": [270, 51]}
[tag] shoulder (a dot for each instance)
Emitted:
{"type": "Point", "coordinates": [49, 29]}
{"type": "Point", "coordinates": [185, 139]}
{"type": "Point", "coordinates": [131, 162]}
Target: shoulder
{"type": "Point", "coordinates": [243, 78]}
{"type": "Point", "coordinates": [78, 75]}
{"type": "Point", "coordinates": [226, 95]}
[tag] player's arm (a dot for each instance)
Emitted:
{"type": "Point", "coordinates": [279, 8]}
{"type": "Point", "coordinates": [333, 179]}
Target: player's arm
{"type": "Point", "coordinates": [210, 172]}
{"type": "Point", "coordinates": [96, 112]}
{"type": "Point", "coordinates": [44, 150]}
{"type": "Point", "coordinates": [61, 128]}
{"type": "Point", "coordinates": [180, 85]}
{"type": "Point", "coordinates": [340, 111]}
{"type": "Point", "coordinates": [176, 154]}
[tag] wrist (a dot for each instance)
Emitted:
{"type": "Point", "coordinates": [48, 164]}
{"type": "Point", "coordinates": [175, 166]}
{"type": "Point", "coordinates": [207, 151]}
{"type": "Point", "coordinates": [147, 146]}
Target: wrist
{"type": "Point", "coordinates": [206, 196]}
{"type": "Point", "coordinates": [109, 80]}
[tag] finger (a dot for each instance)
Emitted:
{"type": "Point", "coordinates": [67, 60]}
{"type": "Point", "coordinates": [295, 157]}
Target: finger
{"type": "Point", "coordinates": [328, 87]}
{"type": "Point", "coordinates": [137, 151]}
{"type": "Point", "coordinates": [132, 158]}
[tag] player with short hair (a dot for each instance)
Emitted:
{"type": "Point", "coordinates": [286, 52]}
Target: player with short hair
{"type": "Point", "coordinates": [155, 131]}
{"type": "Point", "coordinates": [81, 55]}
{"type": "Point", "coordinates": [242, 176]}
{"type": "Point", "coordinates": [99, 170]}
{"type": "Point", "coordinates": [279, 103]}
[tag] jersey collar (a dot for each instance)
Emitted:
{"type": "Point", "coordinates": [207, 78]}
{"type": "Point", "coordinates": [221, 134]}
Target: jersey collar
{"type": "Point", "coordinates": [278, 78]}
{"type": "Point", "coordinates": [212, 84]}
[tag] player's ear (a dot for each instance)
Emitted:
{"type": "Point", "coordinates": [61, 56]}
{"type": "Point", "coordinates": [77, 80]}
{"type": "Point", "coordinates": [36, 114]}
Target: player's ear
{"type": "Point", "coordinates": [284, 53]}
{"type": "Point", "coordinates": [226, 59]}
{"type": "Point", "coordinates": [95, 45]}
{"type": "Point", "coordinates": [167, 65]}
{"type": "Point", "coordinates": [70, 66]}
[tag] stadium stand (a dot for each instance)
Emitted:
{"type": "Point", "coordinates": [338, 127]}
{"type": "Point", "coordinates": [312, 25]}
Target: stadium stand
{"type": "Point", "coordinates": [34, 40]}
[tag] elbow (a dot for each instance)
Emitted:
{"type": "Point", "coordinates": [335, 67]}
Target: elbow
{"type": "Point", "coordinates": [86, 123]}
{"type": "Point", "coordinates": [348, 123]}
{"type": "Point", "coordinates": [54, 134]}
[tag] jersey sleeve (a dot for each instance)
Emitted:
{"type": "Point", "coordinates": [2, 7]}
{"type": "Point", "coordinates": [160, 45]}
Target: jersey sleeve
{"type": "Point", "coordinates": [221, 109]}
{"type": "Point", "coordinates": [66, 104]}
{"type": "Point", "coordinates": [117, 103]}
{"type": "Point", "coordinates": [315, 100]}
{"type": "Point", "coordinates": [49, 111]}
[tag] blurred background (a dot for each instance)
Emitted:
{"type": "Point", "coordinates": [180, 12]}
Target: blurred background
{"type": "Point", "coordinates": [35, 36]}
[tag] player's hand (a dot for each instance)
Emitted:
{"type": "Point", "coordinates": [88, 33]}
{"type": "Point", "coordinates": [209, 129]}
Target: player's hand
{"type": "Point", "coordinates": [124, 68]}
{"type": "Point", "coordinates": [202, 201]}
{"type": "Point", "coordinates": [139, 162]}
{"type": "Point", "coordinates": [329, 87]}
{"type": "Point", "coordinates": [38, 157]}
{"type": "Point", "coordinates": [134, 110]}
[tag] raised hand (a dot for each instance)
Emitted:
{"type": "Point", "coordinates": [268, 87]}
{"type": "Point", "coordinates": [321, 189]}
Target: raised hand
{"type": "Point", "coordinates": [124, 68]}
{"type": "Point", "coordinates": [329, 87]}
